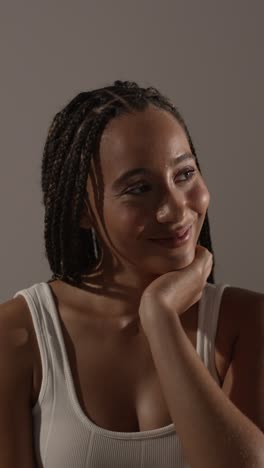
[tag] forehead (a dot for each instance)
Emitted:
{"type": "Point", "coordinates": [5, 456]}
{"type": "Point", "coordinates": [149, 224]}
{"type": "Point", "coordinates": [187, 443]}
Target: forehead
{"type": "Point", "coordinates": [142, 139]}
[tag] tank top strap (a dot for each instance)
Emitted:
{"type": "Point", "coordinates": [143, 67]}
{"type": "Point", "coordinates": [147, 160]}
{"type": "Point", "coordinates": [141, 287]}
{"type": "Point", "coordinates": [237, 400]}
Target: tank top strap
{"type": "Point", "coordinates": [42, 316]}
{"type": "Point", "coordinates": [207, 324]}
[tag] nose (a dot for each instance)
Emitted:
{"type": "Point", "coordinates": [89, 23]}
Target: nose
{"type": "Point", "coordinates": [173, 208]}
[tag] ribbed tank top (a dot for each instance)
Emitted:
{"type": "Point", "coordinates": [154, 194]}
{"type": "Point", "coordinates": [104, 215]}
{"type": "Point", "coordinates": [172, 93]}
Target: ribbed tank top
{"type": "Point", "coordinates": [64, 437]}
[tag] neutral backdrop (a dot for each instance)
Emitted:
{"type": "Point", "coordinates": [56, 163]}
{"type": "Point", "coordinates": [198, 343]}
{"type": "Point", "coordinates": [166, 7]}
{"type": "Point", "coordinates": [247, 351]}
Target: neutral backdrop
{"type": "Point", "coordinates": [207, 56]}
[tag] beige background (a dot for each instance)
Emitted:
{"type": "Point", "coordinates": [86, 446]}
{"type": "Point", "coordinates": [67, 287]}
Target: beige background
{"type": "Point", "coordinates": [207, 56]}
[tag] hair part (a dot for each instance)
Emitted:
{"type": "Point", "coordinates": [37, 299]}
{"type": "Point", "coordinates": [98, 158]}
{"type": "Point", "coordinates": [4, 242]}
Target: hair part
{"type": "Point", "coordinates": [73, 138]}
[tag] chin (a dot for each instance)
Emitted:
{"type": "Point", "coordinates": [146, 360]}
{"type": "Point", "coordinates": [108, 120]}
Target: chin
{"type": "Point", "coordinates": [165, 265]}
{"type": "Point", "coordinates": [183, 262]}
{"type": "Point", "coordinates": [187, 258]}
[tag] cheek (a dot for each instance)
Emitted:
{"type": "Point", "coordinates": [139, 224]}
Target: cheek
{"type": "Point", "coordinates": [200, 197]}
{"type": "Point", "coordinates": [125, 218]}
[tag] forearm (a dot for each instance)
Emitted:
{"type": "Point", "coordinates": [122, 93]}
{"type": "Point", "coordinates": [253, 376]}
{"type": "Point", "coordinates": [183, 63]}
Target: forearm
{"type": "Point", "coordinates": [212, 430]}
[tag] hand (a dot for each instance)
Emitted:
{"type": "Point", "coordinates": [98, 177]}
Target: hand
{"type": "Point", "coordinates": [178, 290]}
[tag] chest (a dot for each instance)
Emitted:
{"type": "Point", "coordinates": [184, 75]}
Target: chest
{"type": "Point", "coordinates": [115, 380]}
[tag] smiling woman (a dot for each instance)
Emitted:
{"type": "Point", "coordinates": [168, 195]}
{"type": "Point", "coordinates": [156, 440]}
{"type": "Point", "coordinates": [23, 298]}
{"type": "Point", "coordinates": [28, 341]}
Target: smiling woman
{"type": "Point", "coordinates": [126, 355]}
{"type": "Point", "coordinates": [137, 126]}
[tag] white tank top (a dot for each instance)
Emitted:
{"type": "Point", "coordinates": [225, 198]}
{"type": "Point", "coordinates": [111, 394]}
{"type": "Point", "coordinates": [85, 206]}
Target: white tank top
{"type": "Point", "coordinates": [64, 437]}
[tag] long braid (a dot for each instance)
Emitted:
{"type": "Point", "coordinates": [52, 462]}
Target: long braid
{"type": "Point", "coordinates": [73, 139]}
{"type": "Point", "coordinates": [57, 157]}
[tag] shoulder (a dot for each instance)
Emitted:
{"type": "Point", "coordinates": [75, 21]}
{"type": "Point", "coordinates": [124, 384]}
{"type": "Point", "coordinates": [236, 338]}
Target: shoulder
{"type": "Point", "coordinates": [14, 313]}
{"type": "Point", "coordinates": [244, 298]}
{"type": "Point", "coordinates": [16, 327]}
{"type": "Point", "coordinates": [16, 350]}
{"type": "Point", "coordinates": [244, 380]}
{"type": "Point", "coordinates": [242, 307]}
{"type": "Point", "coordinates": [15, 388]}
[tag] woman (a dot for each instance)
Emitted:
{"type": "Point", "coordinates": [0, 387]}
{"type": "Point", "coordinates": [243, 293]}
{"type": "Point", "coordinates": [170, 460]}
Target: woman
{"type": "Point", "coordinates": [130, 355]}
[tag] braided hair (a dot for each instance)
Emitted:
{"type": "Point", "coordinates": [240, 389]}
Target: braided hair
{"type": "Point", "coordinates": [73, 138]}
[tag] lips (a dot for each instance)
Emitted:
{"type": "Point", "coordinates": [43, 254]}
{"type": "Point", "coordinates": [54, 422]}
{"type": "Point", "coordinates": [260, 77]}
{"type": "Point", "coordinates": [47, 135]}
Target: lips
{"type": "Point", "coordinates": [175, 242]}
{"type": "Point", "coordinates": [176, 235]}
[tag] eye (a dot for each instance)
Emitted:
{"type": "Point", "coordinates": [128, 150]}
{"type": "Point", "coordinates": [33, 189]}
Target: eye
{"type": "Point", "coordinates": [187, 172]}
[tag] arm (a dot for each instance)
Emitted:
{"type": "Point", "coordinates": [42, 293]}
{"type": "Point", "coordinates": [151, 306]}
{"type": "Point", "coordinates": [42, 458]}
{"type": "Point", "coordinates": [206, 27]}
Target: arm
{"type": "Point", "coordinates": [213, 431]}
{"type": "Point", "coordinates": [16, 441]}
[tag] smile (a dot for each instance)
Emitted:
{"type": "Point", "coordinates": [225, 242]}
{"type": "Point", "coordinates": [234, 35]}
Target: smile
{"type": "Point", "coordinates": [174, 242]}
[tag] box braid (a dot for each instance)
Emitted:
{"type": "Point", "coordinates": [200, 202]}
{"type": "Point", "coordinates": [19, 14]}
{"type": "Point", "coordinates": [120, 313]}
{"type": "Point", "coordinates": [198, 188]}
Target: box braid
{"type": "Point", "coordinates": [73, 138]}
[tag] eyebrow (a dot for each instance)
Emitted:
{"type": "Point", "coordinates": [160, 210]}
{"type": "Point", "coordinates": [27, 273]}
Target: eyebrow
{"type": "Point", "coordinates": [142, 170]}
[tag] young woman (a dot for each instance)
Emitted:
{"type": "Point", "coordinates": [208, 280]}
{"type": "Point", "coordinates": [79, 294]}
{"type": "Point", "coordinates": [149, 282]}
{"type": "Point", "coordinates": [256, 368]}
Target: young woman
{"type": "Point", "coordinates": [130, 355]}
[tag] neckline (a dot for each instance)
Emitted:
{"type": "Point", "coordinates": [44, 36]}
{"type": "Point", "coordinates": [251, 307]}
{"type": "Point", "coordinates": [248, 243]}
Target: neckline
{"type": "Point", "coordinates": [161, 431]}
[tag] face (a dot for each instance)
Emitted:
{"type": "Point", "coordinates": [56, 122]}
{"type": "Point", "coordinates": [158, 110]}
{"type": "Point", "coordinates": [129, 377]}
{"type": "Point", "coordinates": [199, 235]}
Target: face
{"type": "Point", "coordinates": [168, 192]}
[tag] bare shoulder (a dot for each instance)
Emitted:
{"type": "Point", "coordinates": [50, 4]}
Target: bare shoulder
{"type": "Point", "coordinates": [17, 338]}
{"type": "Point", "coordinates": [16, 327]}
{"type": "Point", "coordinates": [241, 306]}
{"type": "Point", "coordinates": [16, 438]}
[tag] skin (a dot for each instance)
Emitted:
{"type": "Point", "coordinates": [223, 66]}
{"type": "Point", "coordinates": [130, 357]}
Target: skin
{"type": "Point", "coordinates": [124, 222]}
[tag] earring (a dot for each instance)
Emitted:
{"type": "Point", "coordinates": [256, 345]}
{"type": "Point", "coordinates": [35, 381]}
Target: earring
{"type": "Point", "coordinates": [94, 243]}
{"type": "Point", "coordinates": [93, 236]}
